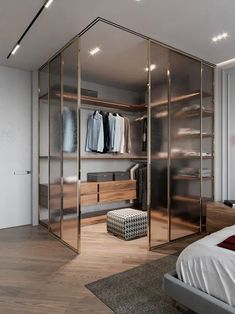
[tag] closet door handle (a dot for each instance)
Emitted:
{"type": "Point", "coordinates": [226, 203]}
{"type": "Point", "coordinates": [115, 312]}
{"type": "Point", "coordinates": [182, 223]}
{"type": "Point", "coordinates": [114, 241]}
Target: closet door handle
{"type": "Point", "coordinates": [22, 173]}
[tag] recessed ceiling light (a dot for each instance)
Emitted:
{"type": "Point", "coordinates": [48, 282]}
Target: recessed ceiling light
{"type": "Point", "coordinates": [220, 37]}
{"type": "Point", "coordinates": [94, 51]}
{"type": "Point", "coordinates": [152, 67]}
{"type": "Point", "coordinates": [15, 49]}
{"type": "Point", "coordinates": [48, 3]}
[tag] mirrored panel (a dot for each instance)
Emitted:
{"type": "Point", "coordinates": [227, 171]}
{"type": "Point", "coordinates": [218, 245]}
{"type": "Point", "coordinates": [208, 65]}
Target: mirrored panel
{"type": "Point", "coordinates": [44, 145]}
{"type": "Point", "coordinates": [185, 138]}
{"type": "Point", "coordinates": [159, 218]}
{"type": "Point", "coordinates": [55, 189]}
{"type": "Point", "coordinates": [70, 145]}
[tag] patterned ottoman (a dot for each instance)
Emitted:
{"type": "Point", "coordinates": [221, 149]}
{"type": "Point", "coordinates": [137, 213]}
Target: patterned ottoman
{"type": "Point", "coordinates": [127, 223]}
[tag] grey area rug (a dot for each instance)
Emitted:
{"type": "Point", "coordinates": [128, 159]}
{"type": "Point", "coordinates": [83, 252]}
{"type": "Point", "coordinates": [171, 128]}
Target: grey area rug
{"type": "Point", "coordinates": [138, 290]}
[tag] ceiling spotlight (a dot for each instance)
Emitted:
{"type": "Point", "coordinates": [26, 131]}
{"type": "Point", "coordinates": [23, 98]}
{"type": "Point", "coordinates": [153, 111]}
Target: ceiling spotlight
{"type": "Point", "coordinates": [15, 49]}
{"type": "Point", "coordinates": [152, 67]}
{"type": "Point", "coordinates": [48, 3]}
{"type": "Point", "coordinates": [94, 51]}
{"type": "Point", "coordinates": [220, 37]}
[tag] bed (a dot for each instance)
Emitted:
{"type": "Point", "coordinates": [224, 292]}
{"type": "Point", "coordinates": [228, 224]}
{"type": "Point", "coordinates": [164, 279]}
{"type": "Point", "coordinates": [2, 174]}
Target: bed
{"type": "Point", "coordinates": [204, 280]}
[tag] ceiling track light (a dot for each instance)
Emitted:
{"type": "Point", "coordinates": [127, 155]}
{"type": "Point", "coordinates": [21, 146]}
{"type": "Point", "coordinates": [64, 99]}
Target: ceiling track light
{"type": "Point", "coordinates": [16, 47]}
{"type": "Point", "coordinates": [220, 37]}
{"type": "Point", "coordinates": [48, 3]}
{"type": "Point", "coordinates": [94, 51]}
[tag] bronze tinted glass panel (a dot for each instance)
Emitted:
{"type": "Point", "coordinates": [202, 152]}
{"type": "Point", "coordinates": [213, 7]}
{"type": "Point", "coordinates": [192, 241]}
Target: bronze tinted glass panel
{"type": "Point", "coordinates": [185, 138]}
{"type": "Point", "coordinates": [208, 134]}
{"type": "Point", "coordinates": [70, 145]}
{"type": "Point", "coordinates": [159, 232]}
{"type": "Point", "coordinates": [55, 194]}
{"type": "Point", "coordinates": [43, 145]}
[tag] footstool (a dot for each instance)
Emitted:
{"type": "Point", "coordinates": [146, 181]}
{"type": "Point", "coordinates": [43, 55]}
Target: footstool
{"type": "Point", "coordinates": [127, 223]}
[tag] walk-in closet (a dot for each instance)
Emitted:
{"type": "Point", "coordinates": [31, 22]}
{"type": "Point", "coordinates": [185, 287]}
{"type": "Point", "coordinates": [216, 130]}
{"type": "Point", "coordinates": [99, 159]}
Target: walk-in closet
{"type": "Point", "coordinates": [126, 140]}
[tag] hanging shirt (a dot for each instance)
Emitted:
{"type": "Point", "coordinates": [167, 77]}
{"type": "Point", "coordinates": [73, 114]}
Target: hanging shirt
{"type": "Point", "coordinates": [112, 128]}
{"type": "Point", "coordinates": [119, 139]}
{"type": "Point", "coordinates": [95, 133]}
{"type": "Point", "coordinates": [70, 130]}
{"type": "Point", "coordinates": [127, 135]}
{"type": "Point", "coordinates": [106, 131]}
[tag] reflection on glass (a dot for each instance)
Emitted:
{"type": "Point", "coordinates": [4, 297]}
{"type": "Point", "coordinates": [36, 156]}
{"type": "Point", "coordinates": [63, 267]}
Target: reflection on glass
{"type": "Point", "coordinates": [55, 195]}
{"type": "Point", "coordinates": [70, 155]}
{"type": "Point", "coordinates": [185, 106]}
{"type": "Point", "coordinates": [159, 146]}
{"type": "Point", "coordinates": [43, 145]}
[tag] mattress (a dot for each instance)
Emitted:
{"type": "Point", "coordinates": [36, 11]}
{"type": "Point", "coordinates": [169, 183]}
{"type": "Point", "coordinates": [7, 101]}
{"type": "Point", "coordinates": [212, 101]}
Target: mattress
{"type": "Point", "coordinates": [209, 268]}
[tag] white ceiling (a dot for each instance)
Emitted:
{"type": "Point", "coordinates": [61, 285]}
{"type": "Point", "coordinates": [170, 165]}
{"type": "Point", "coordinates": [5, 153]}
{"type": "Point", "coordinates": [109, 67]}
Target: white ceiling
{"type": "Point", "coordinates": [185, 24]}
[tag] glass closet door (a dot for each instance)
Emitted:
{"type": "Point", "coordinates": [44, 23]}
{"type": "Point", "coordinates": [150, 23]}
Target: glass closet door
{"type": "Point", "coordinates": [43, 145]}
{"type": "Point", "coordinates": [70, 165]}
{"type": "Point", "coordinates": [159, 145]}
{"type": "Point", "coordinates": [55, 138]}
{"type": "Point", "coordinates": [207, 138]}
{"type": "Point", "coordinates": [185, 143]}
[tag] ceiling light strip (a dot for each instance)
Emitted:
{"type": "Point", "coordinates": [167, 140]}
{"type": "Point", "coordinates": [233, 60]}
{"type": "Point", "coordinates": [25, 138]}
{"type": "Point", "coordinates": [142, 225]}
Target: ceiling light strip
{"type": "Point", "coordinates": [45, 6]}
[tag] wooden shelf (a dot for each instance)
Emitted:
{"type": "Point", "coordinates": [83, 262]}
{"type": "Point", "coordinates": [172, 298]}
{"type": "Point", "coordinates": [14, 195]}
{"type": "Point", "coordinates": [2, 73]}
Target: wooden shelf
{"type": "Point", "coordinates": [65, 157]}
{"type": "Point", "coordinates": [99, 102]}
{"type": "Point", "coordinates": [205, 135]}
{"type": "Point", "coordinates": [194, 113]}
{"type": "Point", "coordinates": [180, 98]}
{"type": "Point", "coordinates": [190, 178]}
{"type": "Point", "coordinates": [182, 157]}
{"type": "Point", "coordinates": [110, 157]}
{"type": "Point", "coordinates": [190, 199]}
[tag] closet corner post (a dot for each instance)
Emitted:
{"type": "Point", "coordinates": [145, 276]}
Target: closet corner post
{"type": "Point", "coordinates": [149, 146]}
{"type": "Point", "coordinates": [169, 148]}
{"type": "Point", "coordinates": [78, 144]}
{"type": "Point", "coordinates": [201, 147]}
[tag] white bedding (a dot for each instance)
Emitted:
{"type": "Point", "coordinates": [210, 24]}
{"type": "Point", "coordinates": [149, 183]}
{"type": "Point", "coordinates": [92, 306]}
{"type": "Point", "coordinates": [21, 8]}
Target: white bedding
{"type": "Point", "coordinates": [205, 266]}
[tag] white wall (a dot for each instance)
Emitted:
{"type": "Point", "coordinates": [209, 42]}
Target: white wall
{"type": "Point", "coordinates": [15, 147]}
{"type": "Point", "coordinates": [35, 118]}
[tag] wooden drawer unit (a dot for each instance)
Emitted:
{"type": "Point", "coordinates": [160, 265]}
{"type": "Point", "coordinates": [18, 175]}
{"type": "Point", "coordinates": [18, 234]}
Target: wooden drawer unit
{"type": "Point", "coordinates": [117, 186]}
{"type": "Point", "coordinates": [119, 195]}
{"type": "Point", "coordinates": [89, 199]}
{"type": "Point", "coordinates": [87, 188]}
{"type": "Point", "coordinates": [91, 193]}
{"type": "Point", "coordinates": [117, 191]}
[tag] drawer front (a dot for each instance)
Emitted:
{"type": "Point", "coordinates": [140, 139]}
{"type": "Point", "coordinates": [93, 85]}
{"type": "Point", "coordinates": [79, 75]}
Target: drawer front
{"type": "Point", "coordinates": [70, 189]}
{"type": "Point", "coordinates": [88, 188]}
{"type": "Point", "coordinates": [117, 185]}
{"type": "Point", "coordinates": [70, 202]}
{"type": "Point", "coordinates": [117, 196]}
{"type": "Point", "coordinates": [89, 199]}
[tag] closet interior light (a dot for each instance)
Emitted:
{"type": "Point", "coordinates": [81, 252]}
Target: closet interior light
{"type": "Point", "coordinates": [48, 3]}
{"type": "Point", "coordinates": [152, 67]}
{"type": "Point", "coordinates": [15, 49]}
{"type": "Point", "coordinates": [220, 37]}
{"type": "Point", "coordinates": [94, 51]}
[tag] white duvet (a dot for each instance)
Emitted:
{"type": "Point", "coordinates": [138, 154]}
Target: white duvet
{"type": "Point", "coordinates": [205, 266]}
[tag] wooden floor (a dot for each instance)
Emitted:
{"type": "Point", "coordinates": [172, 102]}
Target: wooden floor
{"type": "Point", "coordinates": [39, 275]}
